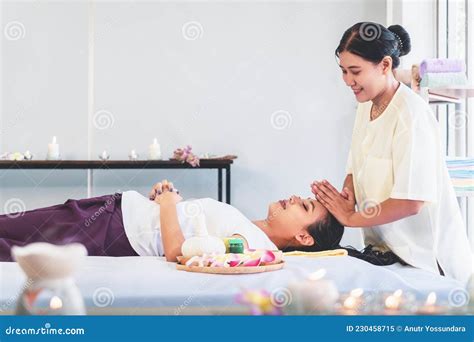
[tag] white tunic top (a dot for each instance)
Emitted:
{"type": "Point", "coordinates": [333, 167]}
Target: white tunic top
{"type": "Point", "coordinates": [399, 155]}
{"type": "Point", "coordinates": [141, 219]}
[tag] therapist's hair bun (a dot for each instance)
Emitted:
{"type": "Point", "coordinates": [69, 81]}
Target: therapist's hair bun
{"type": "Point", "coordinates": [403, 37]}
{"type": "Point", "coordinates": [373, 42]}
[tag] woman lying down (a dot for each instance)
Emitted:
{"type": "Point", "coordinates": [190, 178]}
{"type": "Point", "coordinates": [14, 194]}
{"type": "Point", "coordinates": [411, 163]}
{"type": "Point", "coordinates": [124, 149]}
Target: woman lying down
{"type": "Point", "coordinates": [129, 224]}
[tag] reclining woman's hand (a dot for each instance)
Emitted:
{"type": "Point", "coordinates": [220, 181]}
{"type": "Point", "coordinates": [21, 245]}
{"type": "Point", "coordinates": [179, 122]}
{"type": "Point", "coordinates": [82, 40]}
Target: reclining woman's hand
{"type": "Point", "coordinates": [340, 205]}
{"type": "Point", "coordinates": [166, 193]}
{"type": "Point", "coordinates": [159, 187]}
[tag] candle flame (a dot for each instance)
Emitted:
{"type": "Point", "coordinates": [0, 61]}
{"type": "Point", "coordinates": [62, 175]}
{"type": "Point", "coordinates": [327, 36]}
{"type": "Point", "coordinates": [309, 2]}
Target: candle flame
{"type": "Point", "coordinates": [55, 303]}
{"type": "Point", "coordinates": [392, 302]}
{"type": "Point", "coordinates": [350, 302]}
{"type": "Point", "coordinates": [357, 292]}
{"type": "Point", "coordinates": [431, 299]}
{"type": "Point", "coordinates": [318, 274]}
{"type": "Point", "coordinates": [398, 293]}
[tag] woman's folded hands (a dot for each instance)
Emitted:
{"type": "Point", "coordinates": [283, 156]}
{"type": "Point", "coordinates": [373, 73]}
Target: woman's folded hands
{"type": "Point", "coordinates": [165, 192]}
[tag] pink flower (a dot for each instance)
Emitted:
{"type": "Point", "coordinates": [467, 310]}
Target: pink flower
{"type": "Point", "coordinates": [185, 155]}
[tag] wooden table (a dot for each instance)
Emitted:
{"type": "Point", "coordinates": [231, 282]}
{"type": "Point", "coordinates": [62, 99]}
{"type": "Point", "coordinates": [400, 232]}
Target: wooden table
{"type": "Point", "coordinates": [90, 165]}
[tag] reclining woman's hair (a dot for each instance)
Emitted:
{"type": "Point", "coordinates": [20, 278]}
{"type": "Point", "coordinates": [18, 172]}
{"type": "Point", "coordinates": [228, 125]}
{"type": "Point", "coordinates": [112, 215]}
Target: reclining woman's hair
{"type": "Point", "coordinates": [327, 235]}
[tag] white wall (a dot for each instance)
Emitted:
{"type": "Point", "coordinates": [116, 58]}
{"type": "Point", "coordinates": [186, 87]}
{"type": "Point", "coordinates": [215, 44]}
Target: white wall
{"type": "Point", "coordinates": [216, 93]}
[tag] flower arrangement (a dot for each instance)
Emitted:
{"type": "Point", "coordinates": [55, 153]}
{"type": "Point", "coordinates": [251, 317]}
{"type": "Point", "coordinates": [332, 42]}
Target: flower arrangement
{"type": "Point", "coordinates": [185, 155]}
{"type": "Point", "coordinates": [260, 302]}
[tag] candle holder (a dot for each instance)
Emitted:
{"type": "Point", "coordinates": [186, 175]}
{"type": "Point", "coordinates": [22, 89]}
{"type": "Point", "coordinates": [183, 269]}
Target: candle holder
{"type": "Point", "coordinates": [313, 296]}
{"type": "Point", "coordinates": [398, 302]}
{"type": "Point", "coordinates": [356, 302]}
{"type": "Point", "coordinates": [50, 288]}
{"type": "Point", "coordinates": [431, 305]}
{"type": "Point", "coordinates": [133, 155]}
{"type": "Point", "coordinates": [104, 156]}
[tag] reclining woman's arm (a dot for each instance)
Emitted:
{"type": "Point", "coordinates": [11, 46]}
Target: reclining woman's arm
{"type": "Point", "coordinates": [171, 234]}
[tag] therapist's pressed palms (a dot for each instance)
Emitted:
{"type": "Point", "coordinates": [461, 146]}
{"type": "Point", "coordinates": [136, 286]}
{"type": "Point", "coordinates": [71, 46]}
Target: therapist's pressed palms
{"type": "Point", "coordinates": [341, 205]}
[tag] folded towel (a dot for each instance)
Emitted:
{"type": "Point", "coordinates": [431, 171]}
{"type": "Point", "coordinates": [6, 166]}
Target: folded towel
{"type": "Point", "coordinates": [334, 252]}
{"type": "Point", "coordinates": [442, 80]}
{"type": "Point", "coordinates": [435, 65]}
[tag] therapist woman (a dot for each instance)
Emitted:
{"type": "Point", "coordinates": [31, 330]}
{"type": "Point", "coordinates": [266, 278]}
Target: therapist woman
{"type": "Point", "coordinates": [396, 171]}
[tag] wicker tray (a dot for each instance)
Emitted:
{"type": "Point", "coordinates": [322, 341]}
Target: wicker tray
{"type": "Point", "coordinates": [231, 270]}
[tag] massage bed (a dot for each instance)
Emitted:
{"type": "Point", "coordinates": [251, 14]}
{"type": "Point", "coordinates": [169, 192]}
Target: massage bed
{"type": "Point", "coordinates": [151, 285]}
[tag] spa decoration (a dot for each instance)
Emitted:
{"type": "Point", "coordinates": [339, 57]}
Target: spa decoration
{"type": "Point", "coordinates": [28, 155]}
{"type": "Point", "coordinates": [251, 261]}
{"type": "Point", "coordinates": [430, 306]}
{"type": "Point", "coordinates": [207, 156]}
{"type": "Point", "coordinates": [12, 156]}
{"type": "Point", "coordinates": [16, 156]}
{"type": "Point", "coordinates": [353, 303]}
{"type": "Point", "coordinates": [259, 301]}
{"type": "Point", "coordinates": [50, 288]}
{"type": "Point", "coordinates": [53, 150]}
{"type": "Point", "coordinates": [186, 156]}
{"type": "Point", "coordinates": [398, 302]}
{"type": "Point", "coordinates": [104, 156]}
{"type": "Point", "coordinates": [133, 155]}
{"type": "Point", "coordinates": [250, 258]}
{"type": "Point", "coordinates": [154, 150]}
{"type": "Point", "coordinates": [233, 245]}
{"type": "Point", "coordinates": [315, 295]}
{"type": "Point", "coordinates": [202, 243]}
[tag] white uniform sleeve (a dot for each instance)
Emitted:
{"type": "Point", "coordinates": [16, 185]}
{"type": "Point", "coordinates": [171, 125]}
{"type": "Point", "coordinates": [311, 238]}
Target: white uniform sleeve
{"type": "Point", "coordinates": [415, 159]}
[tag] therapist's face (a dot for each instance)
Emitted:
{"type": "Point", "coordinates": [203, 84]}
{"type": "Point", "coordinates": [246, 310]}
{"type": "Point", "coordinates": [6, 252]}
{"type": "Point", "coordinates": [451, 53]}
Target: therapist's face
{"type": "Point", "coordinates": [290, 218]}
{"type": "Point", "coordinates": [366, 79]}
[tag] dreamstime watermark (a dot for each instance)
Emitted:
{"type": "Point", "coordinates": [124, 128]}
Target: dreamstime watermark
{"type": "Point", "coordinates": [370, 208]}
{"type": "Point", "coordinates": [193, 208]}
{"type": "Point", "coordinates": [458, 119]}
{"type": "Point", "coordinates": [192, 30]}
{"type": "Point", "coordinates": [12, 300]}
{"type": "Point", "coordinates": [14, 207]}
{"type": "Point", "coordinates": [370, 31]}
{"type": "Point", "coordinates": [281, 297]}
{"type": "Point", "coordinates": [14, 30]}
{"type": "Point", "coordinates": [281, 119]}
{"type": "Point", "coordinates": [46, 330]}
{"type": "Point", "coordinates": [189, 299]}
{"type": "Point", "coordinates": [103, 119]}
{"type": "Point", "coordinates": [97, 213]}
{"type": "Point", "coordinates": [458, 297]}
{"type": "Point", "coordinates": [102, 297]}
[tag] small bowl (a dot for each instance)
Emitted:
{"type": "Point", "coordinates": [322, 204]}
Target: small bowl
{"type": "Point", "coordinates": [41, 260]}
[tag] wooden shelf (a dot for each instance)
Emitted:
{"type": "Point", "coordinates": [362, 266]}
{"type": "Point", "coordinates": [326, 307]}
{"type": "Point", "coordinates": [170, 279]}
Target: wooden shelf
{"type": "Point", "coordinates": [454, 93]}
{"type": "Point", "coordinates": [112, 164]}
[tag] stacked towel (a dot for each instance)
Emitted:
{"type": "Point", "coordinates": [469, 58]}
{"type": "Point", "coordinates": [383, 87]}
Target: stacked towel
{"type": "Point", "coordinates": [441, 65]}
{"type": "Point", "coordinates": [461, 171]}
{"type": "Point", "coordinates": [440, 73]}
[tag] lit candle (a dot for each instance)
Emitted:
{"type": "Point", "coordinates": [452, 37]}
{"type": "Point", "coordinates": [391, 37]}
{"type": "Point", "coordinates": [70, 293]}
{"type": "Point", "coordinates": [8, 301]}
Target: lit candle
{"type": "Point", "coordinates": [393, 302]}
{"type": "Point", "coordinates": [53, 150]}
{"type": "Point", "coordinates": [430, 307]}
{"type": "Point", "coordinates": [133, 155]}
{"type": "Point", "coordinates": [154, 150]}
{"type": "Point", "coordinates": [104, 156]}
{"type": "Point", "coordinates": [55, 303]}
{"type": "Point", "coordinates": [314, 294]}
{"type": "Point", "coordinates": [352, 304]}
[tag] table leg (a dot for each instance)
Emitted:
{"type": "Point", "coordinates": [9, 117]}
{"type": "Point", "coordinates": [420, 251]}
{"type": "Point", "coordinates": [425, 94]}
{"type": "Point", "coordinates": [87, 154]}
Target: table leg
{"type": "Point", "coordinates": [219, 184]}
{"type": "Point", "coordinates": [90, 180]}
{"type": "Point", "coordinates": [227, 184]}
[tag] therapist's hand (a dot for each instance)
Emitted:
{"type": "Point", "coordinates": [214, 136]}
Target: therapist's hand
{"type": "Point", "coordinates": [340, 204]}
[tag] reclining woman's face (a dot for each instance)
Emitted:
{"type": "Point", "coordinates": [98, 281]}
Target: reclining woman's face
{"type": "Point", "coordinates": [289, 219]}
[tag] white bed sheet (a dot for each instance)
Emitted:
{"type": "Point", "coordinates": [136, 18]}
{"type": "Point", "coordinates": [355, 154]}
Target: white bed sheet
{"type": "Point", "coordinates": [152, 282]}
